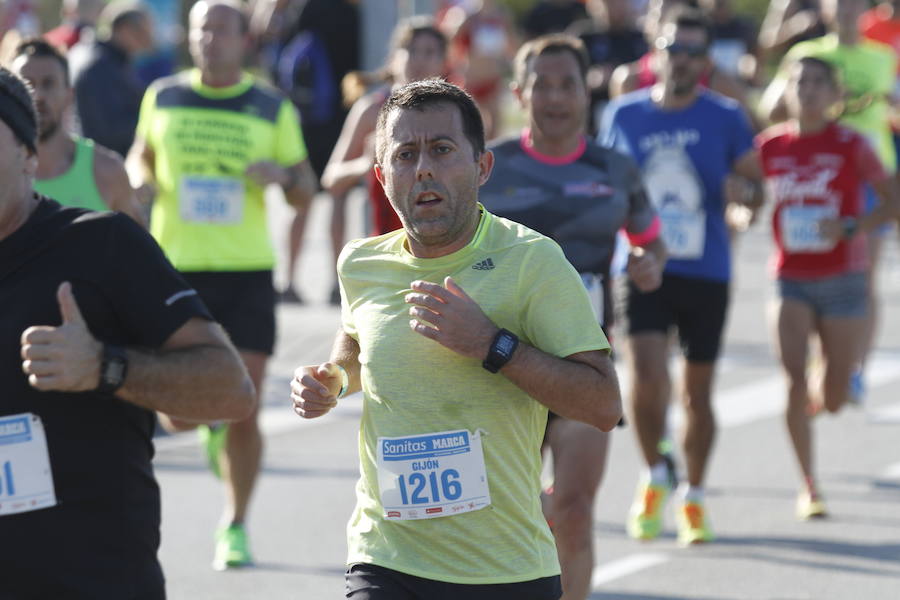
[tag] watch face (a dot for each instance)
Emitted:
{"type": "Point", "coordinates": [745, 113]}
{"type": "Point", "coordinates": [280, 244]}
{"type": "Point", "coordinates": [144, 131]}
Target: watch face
{"type": "Point", "coordinates": [505, 345]}
{"type": "Point", "coordinates": [115, 371]}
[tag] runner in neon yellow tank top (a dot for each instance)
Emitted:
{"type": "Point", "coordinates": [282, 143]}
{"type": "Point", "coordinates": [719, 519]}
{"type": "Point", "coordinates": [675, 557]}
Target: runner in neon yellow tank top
{"type": "Point", "coordinates": [76, 186]}
{"type": "Point", "coordinates": [71, 170]}
{"type": "Point", "coordinates": [210, 140]}
{"type": "Point", "coordinates": [461, 330]}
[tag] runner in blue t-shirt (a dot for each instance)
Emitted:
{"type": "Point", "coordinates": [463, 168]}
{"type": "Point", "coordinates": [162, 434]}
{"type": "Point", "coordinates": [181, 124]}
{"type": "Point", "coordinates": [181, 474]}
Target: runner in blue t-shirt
{"type": "Point", "coordinates": [687, 142]}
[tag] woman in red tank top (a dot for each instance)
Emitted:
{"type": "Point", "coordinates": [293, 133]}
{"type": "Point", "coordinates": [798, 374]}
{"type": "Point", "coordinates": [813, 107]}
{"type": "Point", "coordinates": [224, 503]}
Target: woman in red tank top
{"type": "Point", "coordinates": [418, 51]}
{"type": "Point", "coordinates": [815, 169]}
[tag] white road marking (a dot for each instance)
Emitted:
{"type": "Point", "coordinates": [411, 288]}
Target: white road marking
{"type": "Point", "coordinates": [765, 398]}
{"type": "Point", "coordinates": [886, 415]}
{"type": "Point", "coordinates": [625, 566]}
{"type": "Point", "coordinates": [892, 472]}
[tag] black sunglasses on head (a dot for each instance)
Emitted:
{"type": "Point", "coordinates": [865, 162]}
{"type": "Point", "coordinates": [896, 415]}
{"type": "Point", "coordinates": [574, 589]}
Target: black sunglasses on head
{"type": "Point", "coordinates": [672, 47]}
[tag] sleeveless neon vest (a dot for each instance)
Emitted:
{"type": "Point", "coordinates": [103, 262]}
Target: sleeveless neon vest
{"type": "Point", "coordinates": [75, 187]}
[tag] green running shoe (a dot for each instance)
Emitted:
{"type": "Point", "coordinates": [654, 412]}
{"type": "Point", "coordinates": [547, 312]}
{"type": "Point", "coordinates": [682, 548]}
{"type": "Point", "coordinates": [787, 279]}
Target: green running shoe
{"type": "Point", "coordinates": [692, 525]}
{"type": "Point", "coordinates": [213, 438]}
{"type": "Point", "coordinates": [232, 549]}
{"type": "Point", "coordinates": [645, 517]}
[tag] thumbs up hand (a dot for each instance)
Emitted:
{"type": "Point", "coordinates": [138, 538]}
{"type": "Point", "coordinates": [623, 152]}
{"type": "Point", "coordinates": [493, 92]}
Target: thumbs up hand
{"type": "Point", "coordinates": [65, 358]}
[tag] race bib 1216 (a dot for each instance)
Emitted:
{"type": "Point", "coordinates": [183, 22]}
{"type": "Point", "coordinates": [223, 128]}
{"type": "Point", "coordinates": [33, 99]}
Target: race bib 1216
{"type": "Point", "coordinates": [432, 475]}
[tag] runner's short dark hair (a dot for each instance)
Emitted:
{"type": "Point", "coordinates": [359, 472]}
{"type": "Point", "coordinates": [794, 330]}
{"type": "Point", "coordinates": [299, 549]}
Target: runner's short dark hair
{"type": "Point", "coordinates": [419, 95]}
{"type": "Point", "coordinates": [118, 14]}
{"type": "Point", "coordinates": [688, 17]}
{"type": "Point", "coordinates": [554, 43]}
{"type": "Point", "coordinates": [41, 48]}
{"type": "Point", "coordinates": [830, 71]}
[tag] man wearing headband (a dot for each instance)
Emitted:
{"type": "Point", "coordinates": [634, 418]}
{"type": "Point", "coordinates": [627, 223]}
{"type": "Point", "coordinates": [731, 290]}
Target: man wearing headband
{"type": "Point", "coordinates": [71, 169]}
{"type": "Point", "coordinates": [98, 331]}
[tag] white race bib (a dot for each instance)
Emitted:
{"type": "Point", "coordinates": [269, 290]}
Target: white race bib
{"type": "Point", "coordinates": [26, 481]}
{"type": "Point", "coordinates": [684, 233]}
{"type": "Point", "coordinates": [432, 475]}
{"type": "Point", "coordinates": [218, 200]}
{"type": "Point", "coordinates": [800, 228]}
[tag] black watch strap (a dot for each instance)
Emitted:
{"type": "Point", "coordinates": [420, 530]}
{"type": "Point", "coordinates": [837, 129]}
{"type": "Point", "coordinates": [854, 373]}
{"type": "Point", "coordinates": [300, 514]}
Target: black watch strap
{"type": "Point", "coordinates": [502, 348]}
{"type": "Point", "coordinates": [113, 369]}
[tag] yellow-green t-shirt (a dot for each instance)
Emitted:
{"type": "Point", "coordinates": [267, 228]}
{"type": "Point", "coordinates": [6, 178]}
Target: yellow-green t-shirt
{"type": "Point", "coordinates": [867, 71]}
{"type": "Point", "coordinates": [413, 385]}
{"type": "Point", "coordinates": [208, 216]}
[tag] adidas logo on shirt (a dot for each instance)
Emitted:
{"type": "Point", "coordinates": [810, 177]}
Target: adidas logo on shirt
{"type": "Point", "coordinates": [485, 265]}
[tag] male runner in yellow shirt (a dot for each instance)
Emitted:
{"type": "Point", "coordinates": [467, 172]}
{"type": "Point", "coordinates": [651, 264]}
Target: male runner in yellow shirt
{"type": "Point", "coordinates": [462, 329]}
{"type": "Point", "coordinates": [210, 140]}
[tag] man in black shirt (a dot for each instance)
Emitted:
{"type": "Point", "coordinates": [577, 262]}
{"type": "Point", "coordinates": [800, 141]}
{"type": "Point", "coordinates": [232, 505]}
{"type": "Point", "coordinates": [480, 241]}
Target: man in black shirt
{"type": "Point", "coordinates": [98, 331]}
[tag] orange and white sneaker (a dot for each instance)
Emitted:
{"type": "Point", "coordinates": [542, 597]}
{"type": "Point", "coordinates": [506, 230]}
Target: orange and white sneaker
{"type": "Point", "coordinates": [693, 527]}
{"type": "Point", "coordinates": [810, 506]}
{"type": "Point", "coordinates": [645, 516]}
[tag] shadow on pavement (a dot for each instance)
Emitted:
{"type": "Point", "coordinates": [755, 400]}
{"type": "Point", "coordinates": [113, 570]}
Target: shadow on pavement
{"type": "Point", "coordinates": [604, 595]}
{"type": "Point", "coordinates": [276, 471]}
{"type": "Point", "coordinates": [274, 567]}
{"type": "Point", "coordinates": [889, 554]}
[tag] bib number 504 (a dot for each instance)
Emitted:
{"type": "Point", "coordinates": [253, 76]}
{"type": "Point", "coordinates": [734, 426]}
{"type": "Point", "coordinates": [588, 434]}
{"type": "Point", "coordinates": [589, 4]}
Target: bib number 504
{"type": "Point", "coordinates": [415, 488]}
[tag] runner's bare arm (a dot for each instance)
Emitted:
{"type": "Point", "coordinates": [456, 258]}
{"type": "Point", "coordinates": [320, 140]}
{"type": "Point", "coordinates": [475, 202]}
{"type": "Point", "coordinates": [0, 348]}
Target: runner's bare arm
{"type": "Point", "coordinates": [113, 185]}
{"type": "Point", "coordinates": [196, 374]}
{"type": "Point", "coordinates": [887, 209]}
{"type": "Point", "coordinates": [141, 167]}
{"type": "Point", "coordinates": [297, 181]}
{"type": "Point", "coordinates": [352, 157]}
{"type": "Point", "coordinates": [645, 264]}
{"type": "Point", "coordinates": [315, 388]}
{"type": "Point", "coordinates": [748, 167]}
{"type": "Point", "coordinates": [772, 107]}
{"type": "Point", "coordinates": [582, 386]}
{"type": "Point", "coordinates": [624, 79]}
{"type": "Point", "coordinates": [302, 187]}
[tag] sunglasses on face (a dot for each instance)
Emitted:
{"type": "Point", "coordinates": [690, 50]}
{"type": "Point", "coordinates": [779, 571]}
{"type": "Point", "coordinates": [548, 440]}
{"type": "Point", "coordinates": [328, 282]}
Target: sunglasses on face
{"type": "Point", "coordinates": [672, 47]}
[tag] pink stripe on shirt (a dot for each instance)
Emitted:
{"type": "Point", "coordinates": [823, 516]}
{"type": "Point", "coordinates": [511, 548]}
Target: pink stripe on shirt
{"type": "Point", "coordinates": [646, 236]}
{"type": "Point", "coordinates": [528, 147]}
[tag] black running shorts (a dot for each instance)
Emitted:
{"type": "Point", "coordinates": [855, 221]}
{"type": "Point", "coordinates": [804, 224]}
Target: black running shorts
{"type": "Point", "coordinates": [243, 302]}
{"type": "Point", "coordinates": [371, 582]}
{"type": "Point", "coordinates": [697, 307]}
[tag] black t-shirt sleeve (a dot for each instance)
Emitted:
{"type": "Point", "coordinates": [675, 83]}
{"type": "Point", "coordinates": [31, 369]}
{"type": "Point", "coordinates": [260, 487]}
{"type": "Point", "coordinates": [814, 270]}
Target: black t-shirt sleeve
{"type": "Point", "coordinates": [150, 297]}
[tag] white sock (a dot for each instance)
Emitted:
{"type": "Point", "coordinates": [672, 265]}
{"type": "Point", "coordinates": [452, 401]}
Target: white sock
{"type": "Point", "coordinates": [659, 473]}
{"type": "Point", "coordinates": [692, 493]}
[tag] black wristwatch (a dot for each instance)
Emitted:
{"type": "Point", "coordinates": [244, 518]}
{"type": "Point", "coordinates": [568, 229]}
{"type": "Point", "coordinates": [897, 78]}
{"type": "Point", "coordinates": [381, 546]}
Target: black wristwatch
{"type": "Point", "coordinates": [502, 348]}
{"type": "Point", "coordinates": [113, 369]}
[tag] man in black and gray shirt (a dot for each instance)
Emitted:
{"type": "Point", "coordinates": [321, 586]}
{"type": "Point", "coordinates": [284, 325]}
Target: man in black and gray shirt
{"type": "Point", "coordinates": [554, 180]}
